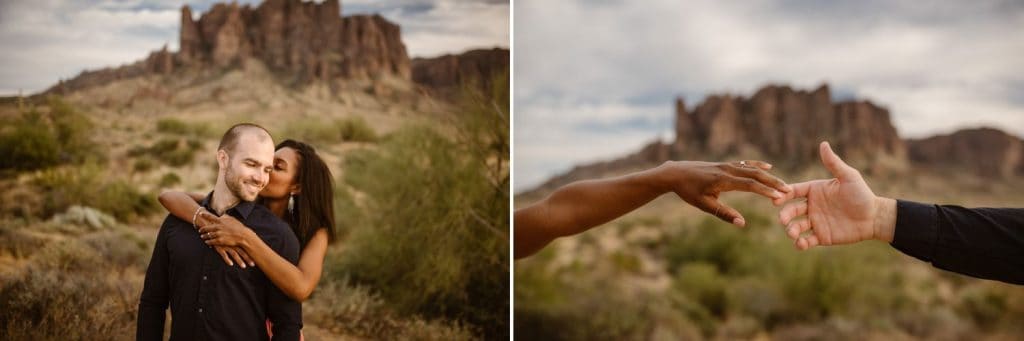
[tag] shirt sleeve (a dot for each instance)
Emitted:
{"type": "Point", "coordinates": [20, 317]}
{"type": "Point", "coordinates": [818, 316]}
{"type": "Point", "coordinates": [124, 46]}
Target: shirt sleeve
{"type": "Point", "coordinates": [284, 313]}
{"type": "Point", "coordinates": [980, 242]}
{"type": "Point", "coordinates": [155, 291]}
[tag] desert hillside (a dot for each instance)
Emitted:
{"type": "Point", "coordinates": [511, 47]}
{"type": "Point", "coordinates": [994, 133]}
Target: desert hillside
{"type": "Point", "coordinates": [420, 167]}
{"type": "Point", "coordinates": [671, 272]}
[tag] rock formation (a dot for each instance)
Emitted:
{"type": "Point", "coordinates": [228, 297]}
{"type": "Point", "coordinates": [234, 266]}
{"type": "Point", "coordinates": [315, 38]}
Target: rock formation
{"type": "Point", "coordinates": [983, 151]}
{"type": "Point", "coordinates": [446, 73]}
{"type": "Point", "coordinates": [785, 126]}
{"type": "Point", "coordinates": [303, 41]}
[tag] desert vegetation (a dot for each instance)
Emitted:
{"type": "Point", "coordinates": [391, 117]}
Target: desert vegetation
{"type": "Point", "coordinates": [423, 244]}
{"type": "Point", "coordinates": [667, 272]}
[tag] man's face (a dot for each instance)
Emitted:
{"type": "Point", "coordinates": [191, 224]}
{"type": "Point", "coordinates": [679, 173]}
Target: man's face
{"type": "Point", "coordinates": [249, 165]}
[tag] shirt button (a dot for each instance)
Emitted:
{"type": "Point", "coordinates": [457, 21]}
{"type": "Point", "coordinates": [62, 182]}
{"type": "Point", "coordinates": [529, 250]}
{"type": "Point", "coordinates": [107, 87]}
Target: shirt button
{"type": "Point", "coordinates": [204, 278]}
{"type": "Point", "coordinates": [200, 310]}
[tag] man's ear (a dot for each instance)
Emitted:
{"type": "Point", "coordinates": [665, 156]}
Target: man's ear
{"type": "Point", "coordinates": [222, 159]}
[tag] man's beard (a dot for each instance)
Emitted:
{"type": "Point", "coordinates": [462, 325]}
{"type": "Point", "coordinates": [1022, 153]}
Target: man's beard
{"type": "Point", "coordinates": [234, 184]}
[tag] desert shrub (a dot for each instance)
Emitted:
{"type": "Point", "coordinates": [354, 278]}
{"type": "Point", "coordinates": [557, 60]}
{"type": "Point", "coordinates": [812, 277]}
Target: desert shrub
{"type": "Point", "coordinates": [711, 241]}
{"type": "Point", "coordinates": [332, 132]}
{"type": "Point", "coordinates": [88, 185]}
{"type": "Point", "coordinates": [169, 179]}
{"type": "Point", "coordinates": [356, 129]}
{"type": "Point", "coordinates": [171, 126]}
{"type": "Point", "coordinates": [985, 305]}
{"type": "Point", "coordinates": [64, 294]}
{"type": "Point", "coordinates": [172, 151]}
{"type": "Point", "coordinates": [354, 310]}
{"type": "Point", "coordinates": [703, 283]}
{"type": "Point", "coordinates": [176, 126]}
{"type": "Point", "coordinates": [549, 307]}
{"type": "Point", "coordinates": [28, 146]}
{"type": "Point", "coordinates": [120, 248]}
{"type": "Point", "coordinates": [18, 243]}
{"type": "Point", "coordinates": [143, 165]}
{"type": "Point", "coordinates": [425, 191]}
{"type": "Point", "coordinates": [37, 139]}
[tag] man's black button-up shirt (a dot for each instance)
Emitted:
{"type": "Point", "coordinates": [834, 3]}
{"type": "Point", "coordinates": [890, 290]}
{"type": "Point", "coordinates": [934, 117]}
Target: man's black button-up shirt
{"type": "Point", "coordinates": [210, 300]}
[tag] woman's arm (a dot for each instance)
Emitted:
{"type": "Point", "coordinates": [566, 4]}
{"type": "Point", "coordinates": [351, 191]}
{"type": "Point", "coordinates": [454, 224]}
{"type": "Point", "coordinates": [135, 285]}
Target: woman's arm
{"type": "Point", "coordinates": [296, 282]}
{"type": "Point", "coordinates": [184, 205]}
{"type": "Point", "coordinates": [582, 205]}
{"type": "Point", "coordinates": [180, 204]}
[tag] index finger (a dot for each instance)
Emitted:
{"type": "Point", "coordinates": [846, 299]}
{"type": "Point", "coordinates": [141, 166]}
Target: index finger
{"type": "Point", "coordinates": [761, 176]}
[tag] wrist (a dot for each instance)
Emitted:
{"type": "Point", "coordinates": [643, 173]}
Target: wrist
{"type": "Point", "coordinates": [660, 178]}
{"type": "Point", "coordinates": [884, 222]}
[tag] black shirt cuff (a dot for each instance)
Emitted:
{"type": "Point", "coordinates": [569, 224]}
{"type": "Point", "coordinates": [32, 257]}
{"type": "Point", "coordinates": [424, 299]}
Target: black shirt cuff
{"type": "Point", "coordinates": [917, 229]}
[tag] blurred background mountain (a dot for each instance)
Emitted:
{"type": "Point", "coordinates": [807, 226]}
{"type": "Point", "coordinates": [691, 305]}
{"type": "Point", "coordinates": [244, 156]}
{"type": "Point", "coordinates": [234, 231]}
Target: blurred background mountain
{"type": "Point", "coordinates": [419, 148]}
{"type": "Point", "coordinates": [923, 99]}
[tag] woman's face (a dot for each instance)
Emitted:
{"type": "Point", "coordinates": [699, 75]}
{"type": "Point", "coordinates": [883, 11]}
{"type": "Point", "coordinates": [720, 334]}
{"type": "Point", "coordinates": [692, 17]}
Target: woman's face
{"type": "Point", "coordinates": [282, 177]}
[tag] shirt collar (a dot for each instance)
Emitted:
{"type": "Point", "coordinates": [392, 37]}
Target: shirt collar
{"type": "Point", "coordinates": [243, 209]}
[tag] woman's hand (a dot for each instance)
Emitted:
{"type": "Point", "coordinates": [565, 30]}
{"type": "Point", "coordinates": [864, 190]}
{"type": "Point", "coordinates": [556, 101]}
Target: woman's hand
{"type": "Point", "coordinates": [700, 183]}
{"type": "Point", "coordinates": [227, 235]}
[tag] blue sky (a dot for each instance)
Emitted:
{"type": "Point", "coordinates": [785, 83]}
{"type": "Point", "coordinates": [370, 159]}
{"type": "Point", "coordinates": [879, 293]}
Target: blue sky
{"type": "Point", "coordinates": [595, 80]}
{"type": "Point", "coordinates": [46, 40]}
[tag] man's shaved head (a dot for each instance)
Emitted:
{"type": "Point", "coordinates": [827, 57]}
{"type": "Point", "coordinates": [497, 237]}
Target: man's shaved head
{"type": "Point", "coordinates": [230, 139]}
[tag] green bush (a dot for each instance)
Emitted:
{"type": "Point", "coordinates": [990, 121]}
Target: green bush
{"type": "Point", "coordinates": [175, 126]}
{"type": "Point", "coordinates": [703, 283]}
{"type": "Point", "coordinates": [172, 151]}
{"type": "Point", "coordinates": [169, 180]}
{"type": "Point", "coordinates": [143, 165]}
{"type": "Point", "coordinates": [37, 140]}
{"type": "Point", "coordinates": [434, 237]}
{"type": "Point", "coordinates": [87, 185]}
{"type": "Point", "coordinates": [172, 126]}
{"type": "Point", "coordinates": [28, 147]}
{"type": "Point", "coordinates": [356, 129]}
{"type": "Point", "coordinates": [333, 132]}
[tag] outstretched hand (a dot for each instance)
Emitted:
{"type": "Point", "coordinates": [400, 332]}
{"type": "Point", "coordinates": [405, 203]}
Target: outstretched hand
{"type": "Point", "coordinates": [700, 183]}
{"type": "Point", "coordinates": [842, 210]}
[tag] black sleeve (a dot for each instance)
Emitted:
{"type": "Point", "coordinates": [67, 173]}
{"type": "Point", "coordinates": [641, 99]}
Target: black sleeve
{"type": "Point", "coordinates": [155, 291]}
{"type": "Point", "coordinates": [284, 313]}
{"type": "Point", "coordinates": [980, 242]}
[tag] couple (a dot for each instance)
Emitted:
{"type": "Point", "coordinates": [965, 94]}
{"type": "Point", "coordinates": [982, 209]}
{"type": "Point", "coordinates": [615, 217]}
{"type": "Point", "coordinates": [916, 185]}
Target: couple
{"type": "Point", "coordinates": [979, 242]}
{"type": "Point", "coordinates": [236, 277]}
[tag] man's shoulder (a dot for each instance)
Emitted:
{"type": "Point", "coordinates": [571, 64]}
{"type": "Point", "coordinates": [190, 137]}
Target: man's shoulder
{"type": "Point", "coordinates": [271, 224]}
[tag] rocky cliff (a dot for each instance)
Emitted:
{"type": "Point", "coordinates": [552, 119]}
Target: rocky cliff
{"type": "Point", "coordinates": [784, 126]}
{"type": "Point", "coordinates": [446, 73]}
{"type": "Point", "coordinates": [983, 151]}
{"type": "Point", "coordinates": [304, 41]}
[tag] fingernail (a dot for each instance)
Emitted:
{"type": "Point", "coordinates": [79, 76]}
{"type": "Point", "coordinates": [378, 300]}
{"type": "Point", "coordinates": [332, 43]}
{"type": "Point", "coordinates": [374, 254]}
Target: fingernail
{"type": "Point", "coordinates": [776, 194]}
{"type": "Point", "coordinates": [738, 222]}
{"type": "Point", "coordinates": [231, 264]}
{"type": "Point", "coordinates": [252, 264]}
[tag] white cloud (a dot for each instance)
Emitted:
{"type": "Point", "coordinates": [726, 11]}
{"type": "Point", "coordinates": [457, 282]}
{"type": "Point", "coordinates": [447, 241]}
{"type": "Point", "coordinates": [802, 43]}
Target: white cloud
{"type": "Point", "coordinates": [936, 66]}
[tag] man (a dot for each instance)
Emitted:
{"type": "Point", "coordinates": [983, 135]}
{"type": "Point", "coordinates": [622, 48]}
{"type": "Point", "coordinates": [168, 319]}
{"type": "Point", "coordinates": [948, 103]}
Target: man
{"type": "Point", "coordinates": [582, 205]}
{"type": "Point", "coordinates": [210, 300]}
{"type": "Point", "coordinates": [980, 242]}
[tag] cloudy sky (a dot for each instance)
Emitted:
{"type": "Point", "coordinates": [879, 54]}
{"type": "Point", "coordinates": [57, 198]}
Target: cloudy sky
{"type": "Point", "coordinates": [46, 40]}
{"type": "Point", "coordinates": [596, 79]}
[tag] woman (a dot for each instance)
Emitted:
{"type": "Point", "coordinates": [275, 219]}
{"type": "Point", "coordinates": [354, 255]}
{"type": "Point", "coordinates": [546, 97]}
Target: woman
{"type": "Point", "coordinates": [300, 193]}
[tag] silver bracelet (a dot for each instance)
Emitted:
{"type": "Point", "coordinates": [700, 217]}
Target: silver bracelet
{"type": "Point", "coordinates": [196, 215]}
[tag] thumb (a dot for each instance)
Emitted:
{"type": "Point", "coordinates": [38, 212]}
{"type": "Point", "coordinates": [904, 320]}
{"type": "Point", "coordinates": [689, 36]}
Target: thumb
{"type": "Point", "coordinates": [726, 213]}
{"type": "Point", "coordinates": [834, 164]}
